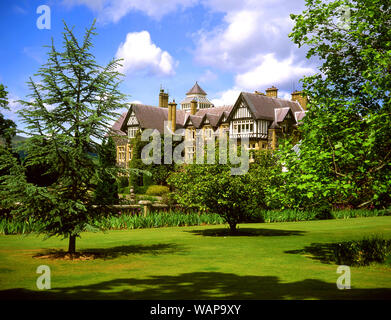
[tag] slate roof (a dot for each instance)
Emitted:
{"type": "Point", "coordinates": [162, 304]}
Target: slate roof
{"type": "Point", "coordinates": [116, 127]}
{"type": "Point", "coordinates": [262, 107]}
{"type": "Point", "coordinates": [149, 117]}
{"type": "Point", "coordinates": [196, 89]}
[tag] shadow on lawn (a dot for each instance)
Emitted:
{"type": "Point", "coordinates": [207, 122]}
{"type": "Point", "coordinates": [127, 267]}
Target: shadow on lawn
{"type": "Point", "coordinates": [202, 286]}
{"type": "Point", "coordinates": [246, 232]}
{"type": "Point", "coordinates": [322, 252]}
{"type": "Point", "coordinates": [110, 253]}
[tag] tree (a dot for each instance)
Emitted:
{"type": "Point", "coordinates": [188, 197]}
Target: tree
{"type": "Point", "coordinates": [212, 188]}
{"type": "Point", "coordinates": [136, 163]}
{"type": "Point", "coordinates": [69, 112]}
{"type": "Point", "coordinates": [106, 191]}
{"type": "Point", "coordinates": [345, 151]}
{"type": "Point", "coordinates": [7, 126]}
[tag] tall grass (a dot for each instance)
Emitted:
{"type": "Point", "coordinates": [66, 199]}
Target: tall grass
{"type": "Point", "coordinates": [159, 219]}
{"type": "Point", "coordinates": [125, 221]}
{"type": "Point", "coordinates": [290, 215]}
{"type": "Point", "coordinates": [177, 218]}
{"type": "Point", "coordinates": [8, 226]}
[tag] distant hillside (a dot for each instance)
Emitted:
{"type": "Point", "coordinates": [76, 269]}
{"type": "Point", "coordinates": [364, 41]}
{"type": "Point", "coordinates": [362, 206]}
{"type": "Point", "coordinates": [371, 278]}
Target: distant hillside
{"type": "Point", "coordinates": [15, 140]}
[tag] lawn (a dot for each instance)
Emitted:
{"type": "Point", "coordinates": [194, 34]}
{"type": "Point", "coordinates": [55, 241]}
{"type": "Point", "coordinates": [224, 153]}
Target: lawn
{"type": "Point", "coordinates": [265, 261]}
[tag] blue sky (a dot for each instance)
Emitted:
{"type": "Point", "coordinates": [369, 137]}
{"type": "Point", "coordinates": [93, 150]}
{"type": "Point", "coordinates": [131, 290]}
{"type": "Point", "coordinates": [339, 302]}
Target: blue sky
{"type": "Point", "coordinates": [227, 46]}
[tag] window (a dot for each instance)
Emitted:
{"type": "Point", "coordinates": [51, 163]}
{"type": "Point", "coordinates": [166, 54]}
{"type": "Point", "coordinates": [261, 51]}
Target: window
{"type": "Point", "coordinates": [121, 154]}
{"type": "Point", "coordinates": [190, 153]}
{"type": "Point", "coordinates": [243, 126]}
{"type": "Point", "coordinates": [208, 133]}
{"type": "Point", "coordinates": [132, 131]}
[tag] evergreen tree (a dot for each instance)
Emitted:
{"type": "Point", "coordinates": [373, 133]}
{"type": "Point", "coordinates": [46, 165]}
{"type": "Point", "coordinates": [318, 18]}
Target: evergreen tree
{"type": "Point", "coordinates": [7, 126]}
{"type": "Point", "coordinates": [107, 187]}
{"type": "Point", "coordinates": [69, 111]}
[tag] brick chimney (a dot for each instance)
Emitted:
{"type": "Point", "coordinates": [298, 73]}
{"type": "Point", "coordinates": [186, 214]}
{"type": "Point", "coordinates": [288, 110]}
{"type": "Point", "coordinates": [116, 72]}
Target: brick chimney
{"type": "Point", "coordinates": [163, 99]}
{"type": "Point", "coordinates": [300, 98]}
{"type": "Point", "coordinates": [172, 112]}
{"type": "Point", "coordinates": [272, 92]}
{"type": "Point", "coordinates": [193, 107]}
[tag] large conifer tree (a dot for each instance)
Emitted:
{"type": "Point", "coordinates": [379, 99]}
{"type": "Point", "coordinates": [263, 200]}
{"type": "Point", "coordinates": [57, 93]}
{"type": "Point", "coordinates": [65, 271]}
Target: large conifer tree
{"type": "Point", "coordinates": [68, 113]}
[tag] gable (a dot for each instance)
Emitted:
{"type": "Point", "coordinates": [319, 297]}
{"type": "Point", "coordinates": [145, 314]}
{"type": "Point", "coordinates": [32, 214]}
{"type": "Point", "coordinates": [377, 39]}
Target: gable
{"type": "Point", "coordinates": [132, 119]}
{"type": "Point", "coordinates": [241, 110]}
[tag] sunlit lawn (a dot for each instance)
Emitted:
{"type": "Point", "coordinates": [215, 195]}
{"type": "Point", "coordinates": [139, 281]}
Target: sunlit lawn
{"type": "Point", "coordinates": [265, 261]}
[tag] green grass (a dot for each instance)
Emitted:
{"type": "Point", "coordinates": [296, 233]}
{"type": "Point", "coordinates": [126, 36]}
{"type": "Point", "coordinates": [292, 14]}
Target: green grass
{"type": "Point", "coordinates": [264, 261]}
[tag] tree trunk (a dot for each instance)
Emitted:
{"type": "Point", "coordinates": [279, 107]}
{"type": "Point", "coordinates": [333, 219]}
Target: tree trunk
{"type": "Point", "coordinates": [72, 244]}
{"type": "Point", "coordinates": [232, 227]}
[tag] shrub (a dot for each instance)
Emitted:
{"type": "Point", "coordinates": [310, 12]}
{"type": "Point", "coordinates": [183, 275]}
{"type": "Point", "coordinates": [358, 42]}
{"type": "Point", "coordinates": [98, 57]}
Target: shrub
{"type": "Point", "coordinates": [362, 252]}
{"type": "Point", "coordinates": [169, 199]}
{"type": "Point", "coordinates": [140, 189]}
{"type": "Point", "coordinates": [156, 190]}
{"type": "Point", "coordinates": [123, 181]}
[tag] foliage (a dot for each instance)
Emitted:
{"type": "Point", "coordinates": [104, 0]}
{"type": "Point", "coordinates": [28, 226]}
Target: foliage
{"type": "Point", "coordinates": [123, 181]}
{"type": "Point", "coordinates": [7, 126]}
{"type": "Point", "coordinates": [262, 177]}
{"type": "Point", "coordinates": [156, 190]}
{"type": "Point", "coordinates": [212, 188]}
{"type": "Point", "coordinates": [361, 252]}
{"type": "Point", "coordinates": [150, 173]}
{"type": "Point", "coordinates": [176, 217]}
{"type": "Point", "coordinates": [290, 215]}
{"type": "Point", "coordinates": [345, 150]}
{"type": "Point", "coordinates": [158, 220]}
{"type": "Point", "coordinates": [169, 199]}
{"type": "Point", "coordinates": [173, 218]}
{"type": "Point", "coordinates": [136, 164]}
{"type": "Point", "coordinates": [70, 108]}
{"type": "Point", "coordinates": [106, 191]}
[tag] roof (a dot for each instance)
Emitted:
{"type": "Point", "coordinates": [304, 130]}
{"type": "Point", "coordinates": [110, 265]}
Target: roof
{"type": "Point", "coordinates": [216, 111]}
{"type": "Point", "coordinates": [199, 99]}
{"type": "Point", "coordinates": [299, 115]}
{"type": "Point", "coordinates": [262, 107]}
{"type": "Point", "coordinates": [149, 117]}
{"type": "Point", "coordinates": [280, 114]}
{"type": "Point", "coordinates": [196, 120]}
{"type": "Point", "coordinates": [213, 119]}
{"type": "Point", "coordinates": [116, 127]}
{"type": "Point", "coordinates": [196, 90]}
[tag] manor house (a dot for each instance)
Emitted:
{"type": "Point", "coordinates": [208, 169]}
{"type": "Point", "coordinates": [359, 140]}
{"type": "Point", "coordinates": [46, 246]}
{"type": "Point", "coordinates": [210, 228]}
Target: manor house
{"type": "Point", "coordinates": [260, 117]}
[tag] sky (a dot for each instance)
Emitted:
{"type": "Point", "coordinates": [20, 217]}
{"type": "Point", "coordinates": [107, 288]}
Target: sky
{"type": "Point", "coordinates": [228, 46]}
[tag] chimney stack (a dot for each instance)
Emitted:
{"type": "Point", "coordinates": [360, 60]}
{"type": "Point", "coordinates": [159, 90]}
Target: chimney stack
{"type": "Point", "coordinates": [272, 92]}
{"type": "Point", "coordinates": [300, 98]}
{"type": "Point", "coordinates": [172, 114]}
{"type": "Point", "coordinates": [163, 99]}
{"type": "Point", "coordinates": [193, 107]}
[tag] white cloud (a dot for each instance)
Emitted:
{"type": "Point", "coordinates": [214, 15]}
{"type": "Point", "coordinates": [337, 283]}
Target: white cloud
{"type": "Point", "coordinates": [227, 97]}
{"type": "Point", "coordinates": [140, 54]}
{"type": "Point", "coordinates": [252, 43]}
{"type": "Point", "coordinates": [272, 72]}
{"type": "Point", "coordinates": [249, 28]}
{"type": "Point", "coordinates": [14, 106]}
